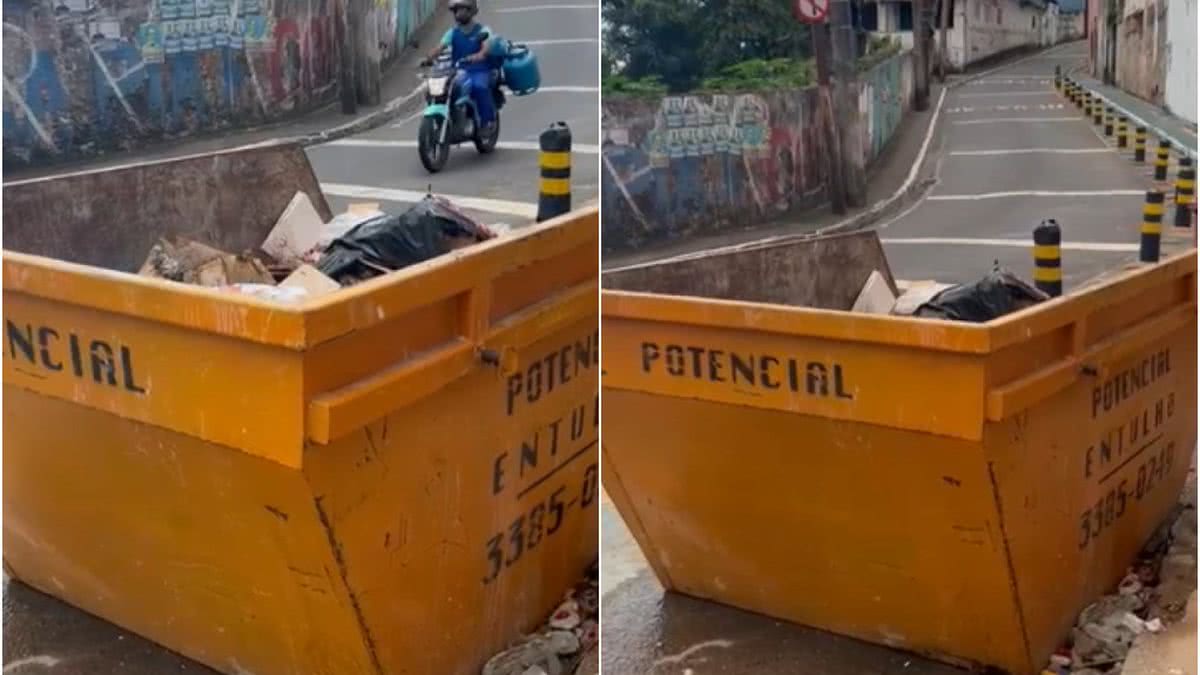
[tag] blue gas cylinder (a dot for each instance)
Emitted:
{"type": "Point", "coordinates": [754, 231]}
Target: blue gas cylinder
{"type": "Point", "coordinates": [521, 73]}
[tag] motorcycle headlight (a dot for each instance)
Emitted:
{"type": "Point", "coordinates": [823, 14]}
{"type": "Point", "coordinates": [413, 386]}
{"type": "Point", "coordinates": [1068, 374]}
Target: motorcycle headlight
{"type": "Point", "coordinates": [437, 86]}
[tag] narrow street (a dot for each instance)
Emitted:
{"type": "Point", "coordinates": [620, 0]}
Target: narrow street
{"type": "Point", "coordinates": [1012, 153]}
{"type": "Point", "coordinates": [382, 165]}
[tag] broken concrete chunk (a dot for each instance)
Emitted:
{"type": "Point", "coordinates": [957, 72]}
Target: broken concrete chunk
{"type": "Point", "coordinates": [913, 294]}
{"type": "Point", "coordinates": [296, 231]}
{"type": "Point", "coordinates": [311, 279]}
{"type": "Point", "coordinates": [177, 260]}
{"type": "Point", "coordinates": [876, 296]}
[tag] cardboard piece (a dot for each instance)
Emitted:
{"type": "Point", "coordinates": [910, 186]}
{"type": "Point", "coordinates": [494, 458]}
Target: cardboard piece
{"type": "Point", "coordinates": [875, 297]}
{"type": "Point", "coordinates": [296, 231]}
{"type": "Point", "coordinates": [230, 269]}
{"type": "Point", "coordinates": [311, 280]}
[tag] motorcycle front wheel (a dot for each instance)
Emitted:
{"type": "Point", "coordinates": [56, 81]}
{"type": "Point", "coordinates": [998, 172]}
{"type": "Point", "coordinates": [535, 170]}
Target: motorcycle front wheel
{"type": "Point", "coordinates": [432, 151]}
{"type": "Point", "coordinates": [486, 142]}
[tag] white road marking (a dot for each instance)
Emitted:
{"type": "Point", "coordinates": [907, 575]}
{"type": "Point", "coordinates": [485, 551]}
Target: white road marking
{"type": "Point", "coordinates": [43, 661]}
{"type": "Point", "coordinates": [502, 145]}
{"type": "Point", "coordinates": [1030, 151]}
{"type": "Point", "coordinates": [520, 209]}
{"type": "Point", "coordinates": [1035, 193]}
{"type": "Point", "coordinates": [538, 8]}
{"type": "Point", "coordinates": [998, 120]}
{"type": "Point", "coordinates": [574, 90]}
{"type": "Point", "coordinates": [1013, 243]}
{"type": "Point", "coordinates": [1009, 93]}
{"type": "Point", "coordinates": [567, 41]}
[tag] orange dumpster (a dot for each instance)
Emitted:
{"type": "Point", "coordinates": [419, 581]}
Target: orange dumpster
{"type": "Point", "coordinates": [398, 477]}
{"type": "Point", "coordinates": [952, 489]}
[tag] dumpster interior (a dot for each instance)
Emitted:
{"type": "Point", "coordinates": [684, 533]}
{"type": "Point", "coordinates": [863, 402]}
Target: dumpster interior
{"type": "Point", "coordinates": [250, 221]}
{"type": "Point", "coordinates": [820, 272]}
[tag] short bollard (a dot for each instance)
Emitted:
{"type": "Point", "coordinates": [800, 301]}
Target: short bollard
{"type": "Point", "coordinates": [1152, 214]}
{"type": "Point", "coordinates": [1047, 258]}
{"type": "Point", "coordinates": [554, 189]}
{"type": "Point", "coordinates": [1108, 121]}
{"type": "Point", "coordinates": [1058, 83]}
{"type": "Point", "coordinates": [1122, 132]}
{"type": "Point", "coordinates": [1162, 159]}
{"type": "Point", "coordinates": [1087, 104]}
{"type": "Point", "coordinates": [1139, 145]}
{"type": "Point", "coordinates": [1185, 192]}
{"type": "Point", "coordinates": [1097, 111]}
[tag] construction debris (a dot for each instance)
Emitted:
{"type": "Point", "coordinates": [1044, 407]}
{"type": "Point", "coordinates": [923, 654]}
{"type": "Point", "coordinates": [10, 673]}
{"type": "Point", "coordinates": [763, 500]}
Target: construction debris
{"type": "Point", "coordinates": [570, 632]}
{"type": "Point", "coordinates": [876, 296]}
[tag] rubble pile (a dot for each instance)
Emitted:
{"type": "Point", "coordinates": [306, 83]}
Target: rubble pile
{"type": "Point", "coordinates": [557, 649]}
{"type": "Point", "coordinates": [1152, 596]}
{"type": "Point", "coordinates": [304, 257]}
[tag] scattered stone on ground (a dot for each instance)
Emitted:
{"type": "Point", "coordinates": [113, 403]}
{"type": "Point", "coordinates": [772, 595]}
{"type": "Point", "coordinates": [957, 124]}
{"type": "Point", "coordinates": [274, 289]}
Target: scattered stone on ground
{"type": "Point", "coordinates": [571, 632]}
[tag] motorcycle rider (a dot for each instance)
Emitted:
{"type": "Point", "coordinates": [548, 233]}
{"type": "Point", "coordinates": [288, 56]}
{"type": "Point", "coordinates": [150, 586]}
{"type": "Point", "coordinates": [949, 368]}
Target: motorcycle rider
{"type": "Point", "coordinates": [470, 41]}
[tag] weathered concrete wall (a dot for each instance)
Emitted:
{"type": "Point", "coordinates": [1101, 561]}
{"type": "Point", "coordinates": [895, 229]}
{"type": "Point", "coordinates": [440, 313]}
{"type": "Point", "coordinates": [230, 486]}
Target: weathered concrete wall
{"type": "Point", "coordinates": [686, 164]}
{"type": "Point", "coordinates": [1181, 59]}
{"type": "Point", "coordinates": [110, 218]}
{"type": "Point", "coordinates": [83, 76]}
{"type": "Point", "coordinates": [1141, 49]}
{"type": "Point", "coordinates": [821, 272]}
{"type": "Point", "coordinates": [992, 27]}
{"type": "Point", "coordinates": [708, 163]}
{"type": "Point", "coordinates": [1070, 26]}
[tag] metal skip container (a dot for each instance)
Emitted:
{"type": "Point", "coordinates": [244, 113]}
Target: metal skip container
{"type": "Point", "coordinates": [398, 477]}
{"type": "Point", "coordinates": [959, 490]}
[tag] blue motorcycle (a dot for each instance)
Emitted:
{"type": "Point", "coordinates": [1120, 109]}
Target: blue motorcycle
{"type": "Point", "coordinates": [450, 115]}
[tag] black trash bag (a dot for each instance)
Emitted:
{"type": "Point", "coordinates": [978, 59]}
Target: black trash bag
{"type": "Point", "coordinates": [995, 295]}
{"type": "Point", "coordinates": [386, 243]}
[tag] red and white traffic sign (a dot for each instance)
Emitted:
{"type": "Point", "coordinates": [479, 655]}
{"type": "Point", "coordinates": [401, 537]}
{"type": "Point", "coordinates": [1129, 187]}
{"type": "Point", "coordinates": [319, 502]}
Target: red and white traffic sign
{"type": "Point", "coordinates": [810, 11]}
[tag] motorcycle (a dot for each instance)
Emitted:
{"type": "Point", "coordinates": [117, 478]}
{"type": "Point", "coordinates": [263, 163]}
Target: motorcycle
{"type": "Point", "coordinates": [450, 116]}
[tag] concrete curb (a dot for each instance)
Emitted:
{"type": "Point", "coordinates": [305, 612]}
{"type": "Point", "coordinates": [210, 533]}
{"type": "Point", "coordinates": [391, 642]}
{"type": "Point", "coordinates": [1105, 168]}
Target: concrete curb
{"type": "Point", "coordinates": [1176, 143]}
{"type": "Point", "coordinates": [393, 109]}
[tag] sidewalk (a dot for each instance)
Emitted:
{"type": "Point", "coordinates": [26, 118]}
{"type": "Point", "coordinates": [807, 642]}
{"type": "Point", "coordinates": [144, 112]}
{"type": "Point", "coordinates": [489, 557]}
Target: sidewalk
{"type": "Point", "coordinates": [1159, 122]}
{"type": "Point", "coordinates": [398, 96]}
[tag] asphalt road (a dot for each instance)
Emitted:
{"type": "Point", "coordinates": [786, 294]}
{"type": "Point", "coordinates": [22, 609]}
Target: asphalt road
{"type": "Point", "coordinates": [1011, 153]}
{"type": "Point", "coordinates": [382, 165]}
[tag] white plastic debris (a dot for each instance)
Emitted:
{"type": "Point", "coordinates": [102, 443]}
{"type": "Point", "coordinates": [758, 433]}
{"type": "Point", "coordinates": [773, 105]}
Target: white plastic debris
{"type": "Point", "coordinates": [281, 294]}
{"type": "Point", "coordinates": [1130, 585]}
{"type": "Point", "coordinates": [1155, 625]}
{"type": "Point", "coordinates": [296, 231]}
{"type": "Point", "coordinates": [566, 616]}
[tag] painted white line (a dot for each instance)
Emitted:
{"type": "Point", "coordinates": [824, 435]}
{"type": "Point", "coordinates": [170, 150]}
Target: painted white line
{"type": "Point", "coordinates": [1031, 151]}
{"type": "Point", "coordinates": [1013, 243]}
{"type": "Point", "coordinates": [1009, 93]}
{"type": "Point", "coordinates": [1035, 193]}
{"type": "Point", "coordinates": [573, 90]}
{"type": "Point", "coordinates": [1029, 120]}
{"type": "Point", "coordinates": [567, 41]}
{"type": "Point", "coordinates": [521, 209]}
{"type": "Point", "coordinates": [538, 8]}
{"type": "Point", "coordinates": [1043, 53]}
{"type": "Point", "coordinates": [580, 148]}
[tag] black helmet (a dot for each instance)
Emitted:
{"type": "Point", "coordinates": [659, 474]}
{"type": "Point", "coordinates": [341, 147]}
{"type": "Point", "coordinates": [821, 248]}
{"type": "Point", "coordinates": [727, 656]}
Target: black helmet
{"type": "Point", "coordinates": [472, 6]}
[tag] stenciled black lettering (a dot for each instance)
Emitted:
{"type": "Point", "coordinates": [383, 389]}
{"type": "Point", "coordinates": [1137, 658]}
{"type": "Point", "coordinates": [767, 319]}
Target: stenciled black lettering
{"type": "Point", "coordinates": [45, 335]}
{"type": "Point", "coordinates": [578, 422]}
{"type": "Point", "coordinates": [649, 355]}
{"type": "Point", "coordinates": [498, 473]}
{"type": "Point", "coordinates": [129, 380]}
{"type": "Point", "coordinates": [696, 353]}
{"type": "Point", "coordinates": [551, 370]}
{"type": "Point", "coordinates": [516, 385]}
{"type": "Point", "coordinates": [675, 360]}
{"type": "Point", "coordinates": [104, 366]}
{"type": "Point", "coordinates": [716, 364]}
{"type": "Point", "coordinates": [839, 383]}
{"type": "Point", "coordinates": [764, 366]}
{"type": "Point", "coordinates": [529, 454]}
{"type": "Point", "coordinates": [76, 355]}
{"type": "Point", "coordinates": [816, 380]}
{"type": "Point", "coordinates": [554, 436]}
{"type": "Point", "coordinates": [564, 364]}
{"type": "Point", "coordinates": [533, 382]}
{"type": "Point", "coordinates": [20, 338]}
{"type": "Point", "coordinates": [742, 368]}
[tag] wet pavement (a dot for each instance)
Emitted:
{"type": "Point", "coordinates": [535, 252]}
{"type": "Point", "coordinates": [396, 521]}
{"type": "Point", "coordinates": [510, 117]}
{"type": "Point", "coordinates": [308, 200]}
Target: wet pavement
{"type": "Point", "coordinates": [44, 635]}
{"type": "Point", "coordinates": [647, 631]}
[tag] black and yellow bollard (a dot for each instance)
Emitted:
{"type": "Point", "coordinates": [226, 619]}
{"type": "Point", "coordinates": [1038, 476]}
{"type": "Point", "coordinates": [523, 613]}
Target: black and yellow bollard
{"type": "Point", "coordinates": [1097, 111]}
{"type": "Point", "coordinates": [554, 190]}
{"type": "Point", "coordinates": [1047, 258]}
{"type": "Point", "coordinates": [1108, 121]}
{"type": "Point", "coordinates": [1139, 145]}
{"type": "Point", "coordinates": [1162, 159]}
{"type": "Point", "coordinates": [1185, 192]}
{"type": "Point", "coordinates": [1087, 104]}
{"type": "Point", "coordinates": [1122, 132]}
{"type": "Point", "coordinates": [1152, 215]}
{"type": "Point", "coordinates": [1058, 83]}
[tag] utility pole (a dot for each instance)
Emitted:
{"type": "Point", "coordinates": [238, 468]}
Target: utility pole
{"type": "Point", "coordinates": [823, 52]}
{"type": "Point", "coordinates": [947, 7]}
{"type": "Point", "coordinates": [920, 58]}
{"type": "Point", "coordinates": [346, 88]}
{"type": "Point", "coordinates": [845, 57]}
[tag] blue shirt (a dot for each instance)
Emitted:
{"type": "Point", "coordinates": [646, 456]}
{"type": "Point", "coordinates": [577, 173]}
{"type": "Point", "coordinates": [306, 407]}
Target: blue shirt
{"type": "Point", "coordinates": [463, 43]}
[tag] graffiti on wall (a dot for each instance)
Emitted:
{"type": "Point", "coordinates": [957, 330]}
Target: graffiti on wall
{"type": "Point", "coordinates": [885, 96]}
{"type": "Point", "coordinates": [684, 164]}
{"type": "Point", "coordinates": [84, 76]}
